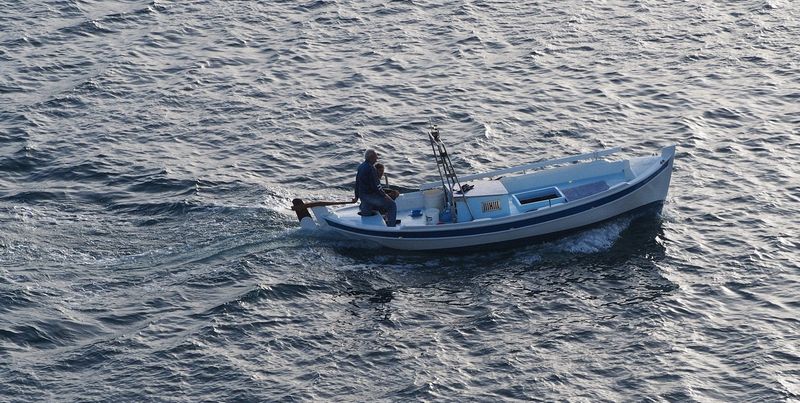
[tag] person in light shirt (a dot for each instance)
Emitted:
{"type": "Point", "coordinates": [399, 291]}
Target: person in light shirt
{"type": "Point", "coordinates": [380, 169]}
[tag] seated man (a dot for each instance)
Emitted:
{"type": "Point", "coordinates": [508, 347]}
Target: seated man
{"type": "Point", "coordinates": [368, 189]}
{"type": "Point", "coordinates": [379, 168]}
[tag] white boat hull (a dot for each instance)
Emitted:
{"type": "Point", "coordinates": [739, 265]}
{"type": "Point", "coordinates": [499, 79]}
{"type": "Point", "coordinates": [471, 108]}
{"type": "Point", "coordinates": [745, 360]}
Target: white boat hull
{"type": "Point", "coordinates": [648, 186]}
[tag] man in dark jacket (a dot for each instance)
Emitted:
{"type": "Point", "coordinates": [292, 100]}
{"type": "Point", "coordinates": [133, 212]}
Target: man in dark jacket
{"type": "Point", "coordinates": [368, 189]}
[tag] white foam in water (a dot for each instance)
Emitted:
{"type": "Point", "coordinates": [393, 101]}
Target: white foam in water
{"type": "Point", "coordinates": [529, 259]}
{"type": "Point", "coordinates": [594, 240]}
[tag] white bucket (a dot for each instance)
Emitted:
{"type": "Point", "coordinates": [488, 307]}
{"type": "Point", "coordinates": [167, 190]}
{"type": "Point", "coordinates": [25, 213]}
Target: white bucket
{"type": "Point", "coordinates": [433, 198]}
{"type": "Point", "coordinates": [431, 216]}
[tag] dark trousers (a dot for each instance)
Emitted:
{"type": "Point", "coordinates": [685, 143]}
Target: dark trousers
{"type": "Point", "coordinates": [378, 202]}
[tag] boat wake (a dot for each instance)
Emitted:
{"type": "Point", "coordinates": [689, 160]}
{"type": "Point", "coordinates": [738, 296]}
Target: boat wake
{"type": "Point", "coordinates": [594, 240]}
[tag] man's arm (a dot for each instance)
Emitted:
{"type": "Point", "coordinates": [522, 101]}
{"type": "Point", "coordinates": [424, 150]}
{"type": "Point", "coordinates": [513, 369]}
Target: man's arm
{"type": "Point", "coordinates": [376, 183]}
{"type": "Point", "coordinates": [372, 183]}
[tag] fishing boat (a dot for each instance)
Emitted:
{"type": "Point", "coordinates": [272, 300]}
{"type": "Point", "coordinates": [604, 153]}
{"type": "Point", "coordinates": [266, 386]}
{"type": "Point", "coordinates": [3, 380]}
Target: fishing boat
{"type": "Point", "coordinates": [538, 200]}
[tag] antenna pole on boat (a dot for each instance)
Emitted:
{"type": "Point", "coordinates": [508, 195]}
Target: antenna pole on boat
{"type": "Point", "coordinates": [446, 172]}
{"type": "Point", "coordinates": [433, 136]}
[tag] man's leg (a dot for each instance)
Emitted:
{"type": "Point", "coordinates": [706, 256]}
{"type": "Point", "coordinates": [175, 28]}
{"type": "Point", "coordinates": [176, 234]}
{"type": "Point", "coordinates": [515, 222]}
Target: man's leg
{"type": "Point", "coordinates": [365, 209]}
{"type": "Point", "coordinates": [391, 212]}
{"type": "Point", "coordinates": [381, 204]}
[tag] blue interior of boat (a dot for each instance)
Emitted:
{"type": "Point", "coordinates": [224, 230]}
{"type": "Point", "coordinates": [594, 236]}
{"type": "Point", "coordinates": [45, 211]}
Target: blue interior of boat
{"type": "Point", "coordinates": [516, 194]}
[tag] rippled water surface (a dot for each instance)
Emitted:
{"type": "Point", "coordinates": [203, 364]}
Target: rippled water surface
{"type": "Point", "coordinates": [149, 151]}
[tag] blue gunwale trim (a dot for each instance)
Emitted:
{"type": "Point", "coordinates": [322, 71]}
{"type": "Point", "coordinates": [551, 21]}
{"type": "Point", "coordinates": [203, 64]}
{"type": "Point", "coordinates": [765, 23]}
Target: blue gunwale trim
{"type": "Point", "coordinates": [504, 226]}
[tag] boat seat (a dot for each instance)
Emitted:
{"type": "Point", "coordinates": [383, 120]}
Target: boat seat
{"type": "Point", "coordinates": [374, 217]}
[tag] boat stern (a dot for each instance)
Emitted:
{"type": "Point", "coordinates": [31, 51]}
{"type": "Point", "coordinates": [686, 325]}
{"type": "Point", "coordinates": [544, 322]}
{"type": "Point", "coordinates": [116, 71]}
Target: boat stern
{"type": "Point", "coordinates": [307, 221]}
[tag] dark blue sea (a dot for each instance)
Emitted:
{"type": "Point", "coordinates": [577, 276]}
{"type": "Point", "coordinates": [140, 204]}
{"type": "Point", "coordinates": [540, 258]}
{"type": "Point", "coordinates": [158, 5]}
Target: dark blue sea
{"type": "Point", "coordinates": [150, 150]}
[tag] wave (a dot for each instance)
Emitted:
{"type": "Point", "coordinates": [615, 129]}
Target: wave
{"type": "Point", "coordinates": [25, 160]}
{"type": "Point", "coordinates": [48, 333]}
{"type": "Point", "coordinates": [262, 294]}
{"type": "Point", "coordinates": [12, 298]}
{"type": "Point", "coordinates": [34, 196]}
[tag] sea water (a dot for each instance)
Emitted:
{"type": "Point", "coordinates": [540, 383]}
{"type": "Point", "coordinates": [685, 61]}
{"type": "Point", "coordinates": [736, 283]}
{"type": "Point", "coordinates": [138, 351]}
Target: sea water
{"type": "Point", "coordinates": [149, 152]}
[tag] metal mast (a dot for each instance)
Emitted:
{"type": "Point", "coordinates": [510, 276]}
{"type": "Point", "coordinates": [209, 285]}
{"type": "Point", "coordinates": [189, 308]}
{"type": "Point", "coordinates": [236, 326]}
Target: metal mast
{"type": "Point", "coordinates": [446, 172]}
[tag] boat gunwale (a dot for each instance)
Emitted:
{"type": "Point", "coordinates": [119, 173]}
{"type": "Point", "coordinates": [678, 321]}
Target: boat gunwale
{"type": "Point", "coordinates": [594, 156]}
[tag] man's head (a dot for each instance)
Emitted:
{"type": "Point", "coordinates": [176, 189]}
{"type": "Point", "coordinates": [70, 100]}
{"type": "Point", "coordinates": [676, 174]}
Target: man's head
{"type": "Point", "coordinates": [371, 156]}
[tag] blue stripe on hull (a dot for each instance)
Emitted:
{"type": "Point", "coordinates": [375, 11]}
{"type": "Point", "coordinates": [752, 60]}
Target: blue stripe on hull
{"type": "Point", "coordinates": [654, 207]}
{"type": "Point", "coordinates": [505, 226]}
